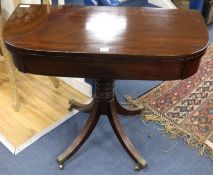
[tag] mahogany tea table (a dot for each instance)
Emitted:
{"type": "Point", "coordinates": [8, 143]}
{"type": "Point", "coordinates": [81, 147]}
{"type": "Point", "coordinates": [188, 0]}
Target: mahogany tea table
{"type": "Point", "coordinates": [106, 43]}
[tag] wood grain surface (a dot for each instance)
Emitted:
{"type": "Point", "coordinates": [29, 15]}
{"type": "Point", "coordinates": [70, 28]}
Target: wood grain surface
{"type": "Point", "coordinates": [42, 105]}
{"type": "Point", "coordinates": [106, 42]}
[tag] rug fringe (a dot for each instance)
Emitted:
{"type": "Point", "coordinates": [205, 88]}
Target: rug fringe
{"type": "Point", "coordinates": [170, 128]}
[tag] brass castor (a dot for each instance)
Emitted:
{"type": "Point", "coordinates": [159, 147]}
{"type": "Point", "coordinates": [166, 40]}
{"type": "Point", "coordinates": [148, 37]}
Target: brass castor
{"type": "Point", "coordinates": [70, 108]}
{"type": "Point", "coordinates": [140, 165]}
{"type": "Point", "coordinates": [61, 166]}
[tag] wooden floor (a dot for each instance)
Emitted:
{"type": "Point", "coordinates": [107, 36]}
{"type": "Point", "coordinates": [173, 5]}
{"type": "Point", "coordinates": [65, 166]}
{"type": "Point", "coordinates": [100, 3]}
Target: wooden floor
{"type": "Point", "coordinates": [42, 108]}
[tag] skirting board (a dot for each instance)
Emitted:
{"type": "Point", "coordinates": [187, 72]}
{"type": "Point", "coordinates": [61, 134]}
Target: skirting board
{"type": "Point", "coordinates": [17, 150]}
{"type": "Point", "coordinates": [79, 84]}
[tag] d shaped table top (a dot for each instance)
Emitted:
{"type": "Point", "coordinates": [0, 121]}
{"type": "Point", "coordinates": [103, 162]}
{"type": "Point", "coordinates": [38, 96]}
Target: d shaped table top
{"type": "Point", "coordinates": [106, 42]}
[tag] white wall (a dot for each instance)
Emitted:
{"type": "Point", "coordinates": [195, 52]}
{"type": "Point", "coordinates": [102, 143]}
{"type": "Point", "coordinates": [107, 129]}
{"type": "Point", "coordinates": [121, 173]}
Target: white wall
{"type": "Point", "coordinates": [7, 8]}
{"type": "Point", "coordinates": [163, 3]}
{"type": "Point", "coordinates": [61, 2]}
{"type": "Point", "coordinates": [30, 1]}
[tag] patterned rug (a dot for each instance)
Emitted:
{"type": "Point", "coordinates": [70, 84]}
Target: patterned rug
{"type": "Point", "coordinates": [184, 107]}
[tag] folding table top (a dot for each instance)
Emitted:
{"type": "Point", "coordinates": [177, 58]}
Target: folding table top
{"type": "Point", "coordinates": [108, 35]}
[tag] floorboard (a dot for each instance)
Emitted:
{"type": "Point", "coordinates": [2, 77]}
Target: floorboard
{"type": "Point", "coordinates": [42, 108]}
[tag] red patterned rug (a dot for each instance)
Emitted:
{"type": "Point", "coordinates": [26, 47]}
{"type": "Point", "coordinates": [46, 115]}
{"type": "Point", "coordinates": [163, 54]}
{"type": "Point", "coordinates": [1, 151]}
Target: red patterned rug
{"type": "Point", "coordinates": [184, 107]}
